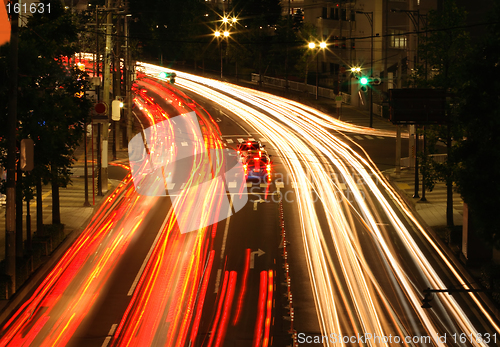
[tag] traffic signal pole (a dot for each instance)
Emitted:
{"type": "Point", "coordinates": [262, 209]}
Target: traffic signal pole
{"type": "Point", "coordinates": [371, 75]}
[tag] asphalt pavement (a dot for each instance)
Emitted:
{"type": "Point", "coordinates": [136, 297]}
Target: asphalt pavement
{"type": "Point", "coordinates": [75, 216]}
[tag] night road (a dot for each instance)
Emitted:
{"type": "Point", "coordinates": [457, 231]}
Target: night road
{"type": "Point", "coordinates": [199, 260]}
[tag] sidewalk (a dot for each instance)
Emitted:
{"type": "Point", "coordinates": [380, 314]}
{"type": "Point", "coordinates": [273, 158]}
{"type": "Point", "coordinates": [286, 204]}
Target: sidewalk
{"type": "Point", "coordinates": [74, 214]}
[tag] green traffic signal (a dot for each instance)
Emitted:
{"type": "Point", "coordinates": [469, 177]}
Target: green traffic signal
{"type": "Point", "coordinates": [163, 74]}
{"type": "Point", "coordinates": [363, 80]}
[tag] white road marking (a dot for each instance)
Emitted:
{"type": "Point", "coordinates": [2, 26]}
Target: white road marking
{"type": "Point", "coordinates": [263, 185]}
{"type": "Point", "coordinates": [110, 335]}
{"type": "Point", "coordinates": [380, 138]}
{"type": "Point", "coordinates": [223, 248]}
{"type": "Point", "coordinates": [358, 137]}
{"type": "Point", "coordinates": [217, 281]}
{"type": "Point", "coordinates": [170, 186]}
{"type": "Point", "coordinates": [138, 276]}
{"type": "Point", "coordinates": [240, 140]}
{"type": "Point", "coordinates": [106, 341]}
{"type": "Point", "coordinates": [232, 184]}
{"type": "Point", "coordinates": [229, 141]}
{"type": "Point", "coordinates": [249, 184]}
{"type": "Point", "coordinates": [369, 137]}
{"type": "Point", "coordinates": [226, 228]}
{"type": "Point", "coordinates": [184, 144]}
{"type": "Point", "coordinates": [251, 139]}
{"type": "Point", "coordinates": [112, 330]}
{"type": "Point", "coordinates": [279, 184]}
{"type": "Point", "coordinates": [262, 139]}
{"type": "Point", "coordinates": [259, 252]}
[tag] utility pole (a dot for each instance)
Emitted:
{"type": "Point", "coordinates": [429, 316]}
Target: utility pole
{"type": "Point", "coordinates": [10, 217]}
{"type": "Point", "coordinates": [106, 86]}
{"type": "Point", "coordinates": [117, 79]}
{"type": "Point", "coordinates": [371, 76]}
{"type": "Point", "coordinates": [128, 80]}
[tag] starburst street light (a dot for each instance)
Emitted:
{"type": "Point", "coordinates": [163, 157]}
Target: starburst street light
{"type": "Point", "coordinates": [224, 35]}
{"type": "Point", "coordinates": [312, 45]}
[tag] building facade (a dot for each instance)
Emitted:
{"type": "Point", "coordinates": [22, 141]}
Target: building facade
{"type": "Point", "coordinates": [378, 36]}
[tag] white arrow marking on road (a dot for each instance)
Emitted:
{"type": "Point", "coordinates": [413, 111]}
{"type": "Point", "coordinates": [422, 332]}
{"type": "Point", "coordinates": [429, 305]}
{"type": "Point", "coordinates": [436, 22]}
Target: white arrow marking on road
{"type": "Point", "coordinates": [252, 257]}
{"type": "Point", "coordinates": [218, 120]}
{"type": "Point", "coordinates": [255, 204]}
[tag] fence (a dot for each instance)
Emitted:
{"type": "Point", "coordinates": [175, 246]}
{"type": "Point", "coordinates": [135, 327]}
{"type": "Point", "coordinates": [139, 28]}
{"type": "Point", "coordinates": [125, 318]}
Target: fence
{"type": "Point", "coordinates": [301, 87]}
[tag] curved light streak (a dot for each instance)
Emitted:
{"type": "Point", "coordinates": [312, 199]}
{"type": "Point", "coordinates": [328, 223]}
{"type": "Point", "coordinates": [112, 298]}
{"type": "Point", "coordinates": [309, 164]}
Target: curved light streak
{"type": "Point", "coordinates": [309, 157]}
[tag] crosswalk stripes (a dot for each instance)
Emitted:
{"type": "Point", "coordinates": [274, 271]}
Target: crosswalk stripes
{"type": "Point", "coordinates": [229, 141]}
{"type": "Point", "coordinates": [240, 140]}
{"type": "Point", "coordinates": [262, 139]}
{"type": "Point", "coordinates": [367, 137]}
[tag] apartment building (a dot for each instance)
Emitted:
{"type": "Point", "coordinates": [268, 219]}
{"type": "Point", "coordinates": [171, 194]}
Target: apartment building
{"type": "Point", "coordinates": [379, 36]}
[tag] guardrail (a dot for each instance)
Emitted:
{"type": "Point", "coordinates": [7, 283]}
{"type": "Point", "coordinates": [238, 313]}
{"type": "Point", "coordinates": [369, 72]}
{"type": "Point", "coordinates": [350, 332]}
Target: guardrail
{"type": "Point", "coordinates": [301, 87]}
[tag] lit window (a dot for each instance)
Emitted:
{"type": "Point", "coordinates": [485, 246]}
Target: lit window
{"type": "Point", "coordinates": [397, 39]}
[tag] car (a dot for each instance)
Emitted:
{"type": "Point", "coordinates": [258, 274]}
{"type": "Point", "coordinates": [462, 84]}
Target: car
{"type": "Point", "coordinates": [257, 165]}
{"type": "Point", "coordinates": [247, 148]}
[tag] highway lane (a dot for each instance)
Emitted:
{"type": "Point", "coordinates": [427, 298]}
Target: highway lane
{"type": "Point", "coordinates": [211, 295]}
{"type": "Point", "coordinates": [380, 297]}
{"type": "Point", "coordinates": [132, 269]}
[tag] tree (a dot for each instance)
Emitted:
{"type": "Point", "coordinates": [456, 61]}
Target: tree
{"type": "Point", "coordinates": [477, 172]}
{"type": "Point", "coordinates": [51, 107]}
{"type": "Point", "coordinates": [444, 51]}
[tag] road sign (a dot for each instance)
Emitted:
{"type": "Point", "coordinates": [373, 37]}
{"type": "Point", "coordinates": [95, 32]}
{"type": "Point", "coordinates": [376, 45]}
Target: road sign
{"type": "Point", "coordinates": [100, 108]}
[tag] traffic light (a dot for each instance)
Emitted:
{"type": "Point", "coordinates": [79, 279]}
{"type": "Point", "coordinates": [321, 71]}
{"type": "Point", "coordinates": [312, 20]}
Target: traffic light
{"type": "Point", "coordinates": [162, 75]}
{"type": "Point", "coordinates": [363, 81]}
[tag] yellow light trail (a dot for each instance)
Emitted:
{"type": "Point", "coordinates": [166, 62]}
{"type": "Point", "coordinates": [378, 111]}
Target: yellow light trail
{"type": "Point", "coordinates": [343, 278]}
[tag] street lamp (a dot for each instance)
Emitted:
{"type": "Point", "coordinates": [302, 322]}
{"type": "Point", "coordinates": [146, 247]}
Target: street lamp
{"type": "Point", "coordinates": [312, 45]}
{"type": "Point", "coordinates": [217, 34]}
{"type": "Point", "coordinates": [369, 15]}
